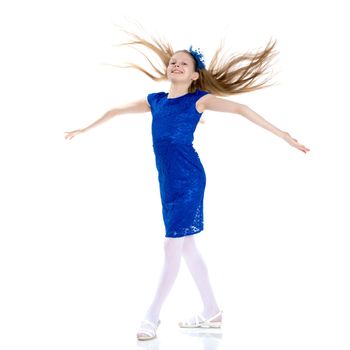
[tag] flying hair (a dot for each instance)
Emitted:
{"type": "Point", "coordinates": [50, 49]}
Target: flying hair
{"type": "Point", "coordinates": [225, 75]}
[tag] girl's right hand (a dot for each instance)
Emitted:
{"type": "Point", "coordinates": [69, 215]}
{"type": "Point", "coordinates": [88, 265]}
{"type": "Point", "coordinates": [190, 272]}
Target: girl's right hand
{"type": "Point", "coordinates": [70, 134]}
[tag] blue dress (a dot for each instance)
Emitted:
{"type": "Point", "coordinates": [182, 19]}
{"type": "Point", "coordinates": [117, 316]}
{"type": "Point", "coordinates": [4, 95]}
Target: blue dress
{"type": "Point", "coordinates": [181, 174]}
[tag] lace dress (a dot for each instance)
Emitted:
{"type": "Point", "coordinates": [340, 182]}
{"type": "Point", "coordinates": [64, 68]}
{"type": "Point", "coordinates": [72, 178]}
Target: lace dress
{"type": "Point", "coordinates": [180, 172]}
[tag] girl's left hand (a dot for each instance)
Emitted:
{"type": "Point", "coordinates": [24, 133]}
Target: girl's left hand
{"type": "Point", "coordinates": [294, 142]}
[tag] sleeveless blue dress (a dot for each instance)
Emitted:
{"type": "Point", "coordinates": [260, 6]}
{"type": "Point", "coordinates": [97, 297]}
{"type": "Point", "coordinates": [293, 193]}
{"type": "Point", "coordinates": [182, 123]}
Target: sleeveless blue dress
{"type": "Point", "coordinates": [181, 174]}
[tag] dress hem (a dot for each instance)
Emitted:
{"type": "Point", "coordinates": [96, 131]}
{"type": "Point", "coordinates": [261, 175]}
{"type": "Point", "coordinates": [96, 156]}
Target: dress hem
{"type": "Point", "coordinates": [183, 235]}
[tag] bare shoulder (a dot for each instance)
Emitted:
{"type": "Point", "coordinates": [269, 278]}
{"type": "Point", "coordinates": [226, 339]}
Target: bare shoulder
{"type": "Point", "coordinates": [200, 104]}
{"type": "Point", "coordinates": [219, 104]}
{"type": "Point", "coordinates": [136, 106]}
{"type": "Point", "coordinates": [140, 105]}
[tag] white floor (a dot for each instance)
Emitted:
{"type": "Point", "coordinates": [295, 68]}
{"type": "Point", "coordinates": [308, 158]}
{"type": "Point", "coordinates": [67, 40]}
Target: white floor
{"type": "Point", "coordinates": [171, 337]}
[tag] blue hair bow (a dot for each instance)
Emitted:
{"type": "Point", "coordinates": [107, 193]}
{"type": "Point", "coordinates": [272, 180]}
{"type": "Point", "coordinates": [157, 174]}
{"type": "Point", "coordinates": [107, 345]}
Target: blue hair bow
{"type": "Point", "coordinates": [198, 56]}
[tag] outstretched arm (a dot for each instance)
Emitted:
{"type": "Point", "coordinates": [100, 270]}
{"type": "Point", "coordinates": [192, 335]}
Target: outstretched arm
{"type": "Point", "coordinates": [214, 103]}
{"type": "Point", "coordinates": [140, 106]}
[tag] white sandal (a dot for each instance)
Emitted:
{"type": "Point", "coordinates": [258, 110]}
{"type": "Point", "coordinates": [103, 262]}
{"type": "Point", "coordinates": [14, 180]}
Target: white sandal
{"type": "Point", "coordinates": [201, 322]}
{"type": "Point", "coordinates": [148, 330]}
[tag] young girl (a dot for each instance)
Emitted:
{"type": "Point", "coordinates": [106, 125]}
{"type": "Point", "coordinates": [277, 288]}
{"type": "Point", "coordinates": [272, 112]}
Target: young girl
{"type": "Point", "coordinates": [175, 115]}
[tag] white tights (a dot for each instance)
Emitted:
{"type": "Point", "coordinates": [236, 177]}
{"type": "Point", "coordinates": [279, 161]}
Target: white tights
{"type": "Point", "coordinates": [174, 249]}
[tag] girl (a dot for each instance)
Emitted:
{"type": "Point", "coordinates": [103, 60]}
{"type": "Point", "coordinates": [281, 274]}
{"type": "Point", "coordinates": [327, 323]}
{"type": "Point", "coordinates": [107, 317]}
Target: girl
{"type": "Point", "coordinates": [175, 115]}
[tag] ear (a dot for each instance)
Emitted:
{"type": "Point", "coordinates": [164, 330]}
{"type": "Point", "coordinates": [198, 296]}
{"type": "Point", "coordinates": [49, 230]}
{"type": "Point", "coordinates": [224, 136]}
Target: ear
{"type": "Point", "coordinates": [195, 76]}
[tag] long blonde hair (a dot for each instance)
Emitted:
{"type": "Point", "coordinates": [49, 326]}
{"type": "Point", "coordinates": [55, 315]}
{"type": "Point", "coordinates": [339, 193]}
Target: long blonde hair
{"type": "Point", "coordinates": [222, 77]}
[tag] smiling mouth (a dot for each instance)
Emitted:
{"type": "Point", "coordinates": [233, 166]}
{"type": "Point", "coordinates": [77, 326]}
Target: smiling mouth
{"type": "Point", "coordinates": [176, 71]}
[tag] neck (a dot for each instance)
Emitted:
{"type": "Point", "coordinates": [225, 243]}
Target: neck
{"type": "Point", "coordinates": [178, 90]}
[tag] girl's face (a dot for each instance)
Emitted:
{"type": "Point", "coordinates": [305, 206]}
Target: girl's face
{"type": "Point", "coordinates": [181, 68]}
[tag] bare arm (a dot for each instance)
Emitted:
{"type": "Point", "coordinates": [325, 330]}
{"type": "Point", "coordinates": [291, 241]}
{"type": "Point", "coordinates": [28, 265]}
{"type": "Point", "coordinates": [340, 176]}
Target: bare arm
{"type": "Point", "coordinates": [139, 106]}
{"type": "Point", "coordinates": [211, 102]}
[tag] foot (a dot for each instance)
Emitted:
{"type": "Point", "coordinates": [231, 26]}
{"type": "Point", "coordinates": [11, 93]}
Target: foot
{"type": "Point", "coordinates": [203, 319]}
{"type": "Point", "coordinates": [209, 315]}
{"type": "Point", "coordinates": [147, 330]}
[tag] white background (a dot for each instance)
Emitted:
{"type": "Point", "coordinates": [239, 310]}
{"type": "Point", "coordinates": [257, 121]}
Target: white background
{"type": "Point", "coordinates": [81, 243]}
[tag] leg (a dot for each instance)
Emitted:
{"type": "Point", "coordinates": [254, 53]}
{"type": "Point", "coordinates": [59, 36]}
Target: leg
{"type": "Point", "coordinates": [200, 275]}
{"type": "Point", "coordinates": [172, 260]}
